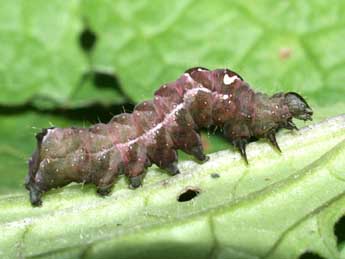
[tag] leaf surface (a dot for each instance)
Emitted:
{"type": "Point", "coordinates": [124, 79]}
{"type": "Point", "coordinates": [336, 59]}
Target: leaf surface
{"type": "Point", "coordinates": [256, 211]}
{"type": "Point", "coordinates": [274, 45]}
{"type": "Point", "coordinates": [41, 58]}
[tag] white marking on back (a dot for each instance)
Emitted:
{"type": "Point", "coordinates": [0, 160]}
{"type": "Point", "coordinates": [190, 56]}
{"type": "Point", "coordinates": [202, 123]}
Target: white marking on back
{"type": "Point", "coordinates": [46, 136]}
{"type": "Point", "coordinates": [152, 133]}
{"type": "Point", "coordinates": [227, 80]}
{"type": "Point", "coordinates": [169, 117]}
{"type": "Point", "coordinates": [189, 78]}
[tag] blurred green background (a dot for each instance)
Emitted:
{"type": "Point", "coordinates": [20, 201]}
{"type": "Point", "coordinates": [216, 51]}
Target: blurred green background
{"type": "Point", "coordinates": [77, 62]}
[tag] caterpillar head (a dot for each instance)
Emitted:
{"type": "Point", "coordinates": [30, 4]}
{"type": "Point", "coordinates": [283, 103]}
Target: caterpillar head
{"type": "Point", "coordinates": [298, 107]}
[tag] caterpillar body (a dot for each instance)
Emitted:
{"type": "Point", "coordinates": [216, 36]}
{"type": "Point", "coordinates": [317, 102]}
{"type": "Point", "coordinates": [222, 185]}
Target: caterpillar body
{"type": "Point", "coordinates": [152, 133]}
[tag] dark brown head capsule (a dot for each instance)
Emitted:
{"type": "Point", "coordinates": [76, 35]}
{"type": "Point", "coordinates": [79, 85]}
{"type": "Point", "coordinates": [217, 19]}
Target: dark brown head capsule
{"type": "Point", "coordinates": [298, 106]}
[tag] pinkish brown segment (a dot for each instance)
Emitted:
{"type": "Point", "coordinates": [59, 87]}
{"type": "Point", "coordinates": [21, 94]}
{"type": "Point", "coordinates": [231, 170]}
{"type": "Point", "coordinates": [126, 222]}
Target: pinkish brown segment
{"type": "Point", "coordinates": [131, 142]}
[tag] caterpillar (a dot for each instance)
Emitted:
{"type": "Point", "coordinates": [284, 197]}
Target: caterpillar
{"type": "Point", "coordinates": [156, 129]}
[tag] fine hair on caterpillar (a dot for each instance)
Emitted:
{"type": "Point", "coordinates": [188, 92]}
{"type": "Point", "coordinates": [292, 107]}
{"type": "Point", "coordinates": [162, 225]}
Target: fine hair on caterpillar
{"type": "Point", "coordinates": [156, 129]}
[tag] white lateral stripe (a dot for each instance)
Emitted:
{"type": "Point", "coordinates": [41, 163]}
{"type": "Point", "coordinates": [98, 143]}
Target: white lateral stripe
{"type": "Point", "coordinates": [168, 117]}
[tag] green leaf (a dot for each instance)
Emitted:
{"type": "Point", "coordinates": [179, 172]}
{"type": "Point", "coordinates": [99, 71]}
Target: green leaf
{"type": "Point", "coordinates": [275, 45]}
{"type": "Point", "coordinates": [272, 209]}
{"type": "Point", "coordinates": [40, 52]}
{"type": "Point", "coordinates": [41, 58]}
{"type": "Point", "coordinates": [263, 210]}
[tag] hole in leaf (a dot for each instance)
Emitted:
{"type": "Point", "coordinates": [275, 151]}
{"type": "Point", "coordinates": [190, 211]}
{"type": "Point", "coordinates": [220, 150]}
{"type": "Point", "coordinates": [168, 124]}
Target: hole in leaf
{"type": "Point", "coordinates": [310, 255]}
{"type": "Point", "coordinates": [105, 80]}
{"type": "Point", "coordinates": [87, 39]}
{"type": "Point", "coordinates": [215, 175]}
{"type": "Point", "coordinates": [339, 231]}
{"type": "Point", "coordinates": [188, 194]}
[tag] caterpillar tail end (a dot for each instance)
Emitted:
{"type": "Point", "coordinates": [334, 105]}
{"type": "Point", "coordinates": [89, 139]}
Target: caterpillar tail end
{"type": "Point", "coordinates": [34, 192]}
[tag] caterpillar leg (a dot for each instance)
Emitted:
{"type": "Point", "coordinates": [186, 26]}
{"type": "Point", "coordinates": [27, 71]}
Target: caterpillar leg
{"type": "Point", "coordinates": [198, 153]}
{"type": "Point", "coordinates": [239, 135]}
{"type": "Point", "coordinates": [189, 141]}
{"type": "Point", "coordinates": [136, 164]}
{"type": "Point", "coordinates": [185, 137]}
{"type": "Point", "coordinates": [240, 144]}
{"type": "Point", "coordinates": [135, 181]}
{"type": "Point", "coordinates": [172, 168]}
{"type": "Point", "coordinates": [272, 139]}
{"type": "Point", "coordinates": [166, 159]}
{"type": "Point", "coordinates": [290, 125]}
{"type": "Point", "coordinates": [105, 184]}
{"type": "Point", "coordinates": [104, 190]}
